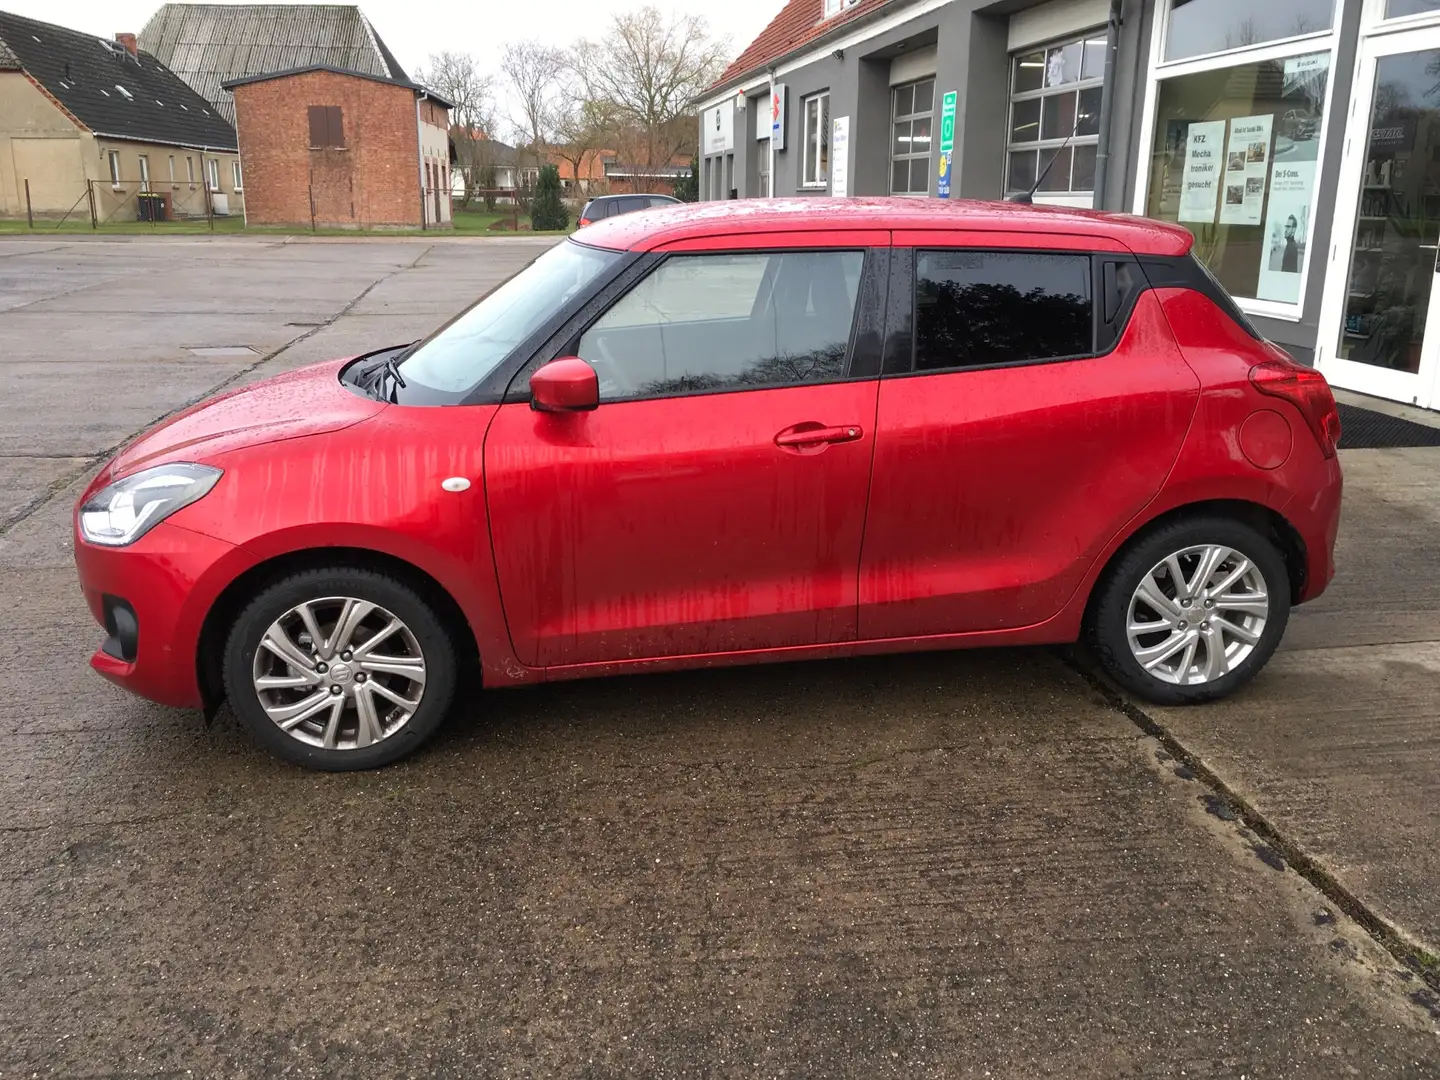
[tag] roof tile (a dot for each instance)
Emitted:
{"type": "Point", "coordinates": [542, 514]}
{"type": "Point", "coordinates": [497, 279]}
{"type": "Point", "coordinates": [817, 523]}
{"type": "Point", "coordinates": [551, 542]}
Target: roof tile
{"type": "Point", "coordinates": [799, 22]}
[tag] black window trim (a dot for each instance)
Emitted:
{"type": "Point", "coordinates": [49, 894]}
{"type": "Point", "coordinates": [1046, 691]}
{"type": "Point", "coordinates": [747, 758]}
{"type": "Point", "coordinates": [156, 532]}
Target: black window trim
{"type": "Point", "coordinates": [861, 350]}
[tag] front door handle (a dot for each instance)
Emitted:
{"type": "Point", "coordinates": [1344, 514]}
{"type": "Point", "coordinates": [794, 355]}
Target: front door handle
{"type": "Point", "coordinates": [811, 435]}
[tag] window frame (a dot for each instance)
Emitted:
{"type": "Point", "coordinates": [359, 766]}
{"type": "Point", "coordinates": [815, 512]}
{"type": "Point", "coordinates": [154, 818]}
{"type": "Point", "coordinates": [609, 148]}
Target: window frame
{"type": "Point", "coordinates": [1159, 70]}
{"type": "Point", "coordinates": [235, 175]}
{"type": "Point", "coordinates": [809, 145]}
{"type": "Point", "coordinates": [144, 160]}
{"type": "Point", "coordinates": [910, 118]}
{"type": "Point", "coordinates": [212, 174]}
{"type": "Point", "coordinates": [1040, 145]}
{"type": "Point", "coordinates": [112, 159]}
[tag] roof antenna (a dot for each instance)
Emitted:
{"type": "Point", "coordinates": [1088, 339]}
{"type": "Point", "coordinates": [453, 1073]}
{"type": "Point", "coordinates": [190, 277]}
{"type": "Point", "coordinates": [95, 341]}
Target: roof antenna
{"type": "Point", "coordinates": [1028, 197]}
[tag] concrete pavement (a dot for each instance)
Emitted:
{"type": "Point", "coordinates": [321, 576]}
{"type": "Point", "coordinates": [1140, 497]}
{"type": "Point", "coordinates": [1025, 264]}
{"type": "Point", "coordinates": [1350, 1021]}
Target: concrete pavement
{"type": "Point", "coordinates": [961, 865]}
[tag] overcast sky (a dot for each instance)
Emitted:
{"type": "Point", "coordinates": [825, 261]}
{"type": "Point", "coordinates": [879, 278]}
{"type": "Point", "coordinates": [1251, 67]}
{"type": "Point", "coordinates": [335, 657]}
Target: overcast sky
{"type": "Point", "coordinates": [416, 28]}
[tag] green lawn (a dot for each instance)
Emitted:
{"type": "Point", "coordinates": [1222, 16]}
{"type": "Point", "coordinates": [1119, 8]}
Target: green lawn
{"type": "Point", "coordinates": [467, 223]}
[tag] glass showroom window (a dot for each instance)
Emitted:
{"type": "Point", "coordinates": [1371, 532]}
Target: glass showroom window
{"type": "Point", "coordinates": [912, 111]}
{"type": "Point", "coordinates": [816, 150]}
{"type": "Point", "coordinates": [1205, 27]}
{"type": "Point", "coordinates": [1235, 141]}
{"type": "Point", "coordinates": [1055, 96]}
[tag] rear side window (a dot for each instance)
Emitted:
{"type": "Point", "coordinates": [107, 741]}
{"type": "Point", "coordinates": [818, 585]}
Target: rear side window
{"type": "Point", "coordinates": [702, 323]}
{"type": "Point", "coordinates": [981, 308]}
{"type": "Point", "coordinates": [629, 204]}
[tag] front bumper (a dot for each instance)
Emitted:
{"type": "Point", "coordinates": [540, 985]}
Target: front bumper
{"type": "Point", "coordinates": [165, 582]}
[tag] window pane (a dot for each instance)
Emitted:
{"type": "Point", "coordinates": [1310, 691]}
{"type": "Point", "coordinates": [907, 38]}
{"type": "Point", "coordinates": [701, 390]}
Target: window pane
{"type": "Point", "coordinates": [925, 96]}
{"type": "Point", "coordinates": [1058, 176]}
{"type": "Point", "coordinates": [901, 142]}
{"type": "Point", "coordinates": [920, 136]}
{"type": "Point", "coordinates": [714, 322]}
{"type": "Point", "coordinates": [920, 176]}
{"type": "Point", "coordinates": [1062, 64]}
{"type": "Point", "coordinates": [1093, 66]}
{"type": "Point", "coordinates": [1025, 121]}
{"type": "Point", "coordinates": [1022, 171]}
{"type": "Point", "coordinates": [1395, 9]}
{"type": "Point", "coordinates": [1088, 122]}
{"type": "Point", "coordinates": [985, 307]}
{"type": "Point", "coordinates": [1278, 106]}
{"type": "Point", "coordinates": [1059, 116]}
{"type": "Point", "coordinates": [1198, 27]}
{"type": "Point", "coordinates": [904, 100]}
{"type": "Point", "coordinates": [1029, 72]}
{"type": "Point", "coordinates": [899, 177]}
{"type": "Point", "coordinates": [823, 175]}
{"type": "Point", "coordinates": [1083, 176]}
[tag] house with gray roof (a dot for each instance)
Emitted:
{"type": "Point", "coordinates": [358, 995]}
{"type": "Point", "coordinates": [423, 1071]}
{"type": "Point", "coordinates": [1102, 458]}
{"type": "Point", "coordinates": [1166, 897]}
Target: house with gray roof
{"type": "Point", "coordinates": [211, 44]}
{"type": "Point", "coordinates": [94, 126]}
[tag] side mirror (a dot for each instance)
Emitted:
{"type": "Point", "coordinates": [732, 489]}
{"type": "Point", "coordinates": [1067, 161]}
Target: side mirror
{"type": "Point", "coordinates": [565, 385]}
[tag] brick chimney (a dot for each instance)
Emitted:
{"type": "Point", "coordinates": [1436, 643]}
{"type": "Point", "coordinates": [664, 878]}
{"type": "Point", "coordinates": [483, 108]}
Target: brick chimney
{"type": "Point", "coordinates": [128, 40]}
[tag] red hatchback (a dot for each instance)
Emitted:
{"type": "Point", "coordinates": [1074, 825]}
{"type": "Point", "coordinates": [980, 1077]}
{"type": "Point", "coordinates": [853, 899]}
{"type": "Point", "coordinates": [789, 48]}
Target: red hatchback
{"type": "Point", "coordinates": [727, 434]}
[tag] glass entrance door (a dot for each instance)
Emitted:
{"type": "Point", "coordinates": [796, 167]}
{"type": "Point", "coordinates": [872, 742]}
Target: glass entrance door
{"type": "Point", "coordinates": [1374, 335]}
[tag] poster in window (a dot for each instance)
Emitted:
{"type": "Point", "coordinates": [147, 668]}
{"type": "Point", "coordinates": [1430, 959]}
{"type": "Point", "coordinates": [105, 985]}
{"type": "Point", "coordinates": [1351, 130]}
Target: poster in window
{"type": "Point", "coordinates": [840, 157]}
{"type": "Point", "coordinates": [1204, 149]}
{"type": "Point", "coordinates": [1287, 224]}
{"type": "Point", "coordinates": [1247, 157]}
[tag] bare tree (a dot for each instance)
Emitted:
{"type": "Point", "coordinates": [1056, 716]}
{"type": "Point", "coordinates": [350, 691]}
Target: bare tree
{"type": "Point", "coordinates": [472, 94]}
{"type": "Point", "coordinates": [582, 129]}
{"type": "Point", "coordinates": [649, 67]}
{"type": "Point", "coordinates": [534, 72]}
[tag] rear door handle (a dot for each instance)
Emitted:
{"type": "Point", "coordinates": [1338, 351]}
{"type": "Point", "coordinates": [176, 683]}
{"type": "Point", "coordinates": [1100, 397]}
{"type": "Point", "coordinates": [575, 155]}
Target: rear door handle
{"type": "Point", "coordinates": [811, 434]}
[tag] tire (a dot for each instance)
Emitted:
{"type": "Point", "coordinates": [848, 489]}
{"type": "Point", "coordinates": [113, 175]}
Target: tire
{"type": "Point", "coordinates": [384, 665]}
{"type": "Point", "coordinates": [1153, 664]}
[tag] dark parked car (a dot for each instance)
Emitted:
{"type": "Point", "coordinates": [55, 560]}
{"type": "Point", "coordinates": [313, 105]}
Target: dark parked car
{"type": "Point", "coordinates": [607, 206]}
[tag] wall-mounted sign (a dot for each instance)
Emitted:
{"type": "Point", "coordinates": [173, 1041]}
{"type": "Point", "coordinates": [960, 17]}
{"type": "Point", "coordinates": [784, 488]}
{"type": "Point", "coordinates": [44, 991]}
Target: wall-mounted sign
{"type": "Point", "coordinates": [1204, 148]}
{"type": "Point", "coordinates": [840, 157]}
{"type": "Point", "coordinates": [777, 117]}
{"type": "Point", "coordinates": [719, 126]}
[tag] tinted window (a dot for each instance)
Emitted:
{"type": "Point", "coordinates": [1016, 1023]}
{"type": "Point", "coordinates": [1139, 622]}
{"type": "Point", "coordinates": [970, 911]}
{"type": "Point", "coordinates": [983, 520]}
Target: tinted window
{"type": "Point", "coordinates": [974, 308]}
{"type": "Point", "coordinates": [629, 204]}
{"type": "Point", "coordinates": [659, 200]}
{"type": "Point", "coordinates": [593, 211]}
{"type": "Point", "coordinates": [718, 322]}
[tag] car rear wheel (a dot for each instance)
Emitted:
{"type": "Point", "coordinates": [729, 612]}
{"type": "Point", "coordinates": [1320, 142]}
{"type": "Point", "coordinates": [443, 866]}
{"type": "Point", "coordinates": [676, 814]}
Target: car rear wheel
{"type": "Point", "coordinates": [340, 669]}
{"type": "Point", "coordinates": [1192, 611]}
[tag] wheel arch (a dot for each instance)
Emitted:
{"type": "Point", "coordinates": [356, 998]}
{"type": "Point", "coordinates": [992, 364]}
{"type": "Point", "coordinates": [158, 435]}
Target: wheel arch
{"type": "Point", "coordinates": [1264, 519]}
{"type": "Point", "coordinates": [227, 606]}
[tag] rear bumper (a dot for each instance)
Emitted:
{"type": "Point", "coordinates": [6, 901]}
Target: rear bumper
{"type": "Point", "coordinates": [152, 597]}
{"type": "Point", "coordinates": [1315, 514]}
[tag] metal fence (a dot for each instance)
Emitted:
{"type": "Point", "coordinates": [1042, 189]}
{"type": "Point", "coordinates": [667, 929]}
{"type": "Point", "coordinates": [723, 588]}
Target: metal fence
{"type": "Point", "coordinates": [105, 201]}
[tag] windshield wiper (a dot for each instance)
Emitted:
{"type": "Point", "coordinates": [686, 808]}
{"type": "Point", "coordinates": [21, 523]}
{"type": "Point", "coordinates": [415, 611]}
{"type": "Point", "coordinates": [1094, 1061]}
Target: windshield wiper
{"type": "Point", "coordinates": [374, 379]}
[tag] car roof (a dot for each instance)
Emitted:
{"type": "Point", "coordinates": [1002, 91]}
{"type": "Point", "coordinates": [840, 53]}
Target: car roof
{"type": "Point", "coordinates": [646, 230]}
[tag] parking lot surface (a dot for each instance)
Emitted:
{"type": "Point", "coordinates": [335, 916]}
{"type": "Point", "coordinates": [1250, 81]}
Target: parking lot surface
{"type": "Point", "coordinates": [975, 864]}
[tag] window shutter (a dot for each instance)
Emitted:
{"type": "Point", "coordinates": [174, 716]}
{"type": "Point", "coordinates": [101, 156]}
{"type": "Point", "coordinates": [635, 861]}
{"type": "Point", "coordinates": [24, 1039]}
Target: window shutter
{"type": "Point", "coordinates": [336, 130]}
{"type": "Point", "coordinates": [317, 126]}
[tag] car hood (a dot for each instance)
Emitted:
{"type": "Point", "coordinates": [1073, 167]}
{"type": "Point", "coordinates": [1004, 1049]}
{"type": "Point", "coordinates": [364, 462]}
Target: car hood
{"type": "Point", "coordinates": [308, 401]}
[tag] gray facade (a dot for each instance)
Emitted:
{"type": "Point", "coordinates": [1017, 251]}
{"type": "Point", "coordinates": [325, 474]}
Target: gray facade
{"type": "Point", "coordinates": [1180, 65]}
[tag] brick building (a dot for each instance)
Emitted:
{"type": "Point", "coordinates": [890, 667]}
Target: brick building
{"type": "Point", "coordinates": [322, 147]}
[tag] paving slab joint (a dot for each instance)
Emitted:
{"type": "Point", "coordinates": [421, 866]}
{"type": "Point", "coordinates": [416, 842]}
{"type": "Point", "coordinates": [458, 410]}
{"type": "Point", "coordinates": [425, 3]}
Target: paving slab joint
{"type": "Point", "coordinates": [1410, 954]}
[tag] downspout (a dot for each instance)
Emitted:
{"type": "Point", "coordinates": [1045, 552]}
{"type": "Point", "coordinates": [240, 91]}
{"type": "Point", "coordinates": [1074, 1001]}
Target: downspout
{"type": "Point", "coordinates": [420, 154]}
{"type": "Point", "coordinates": [770, 143]}
{"type": "Point", "coordinates": [1107, 96]}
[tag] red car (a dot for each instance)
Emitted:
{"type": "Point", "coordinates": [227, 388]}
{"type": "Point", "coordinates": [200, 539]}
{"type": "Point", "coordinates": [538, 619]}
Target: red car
{"type": "Point", "coordinates": [725, 434]}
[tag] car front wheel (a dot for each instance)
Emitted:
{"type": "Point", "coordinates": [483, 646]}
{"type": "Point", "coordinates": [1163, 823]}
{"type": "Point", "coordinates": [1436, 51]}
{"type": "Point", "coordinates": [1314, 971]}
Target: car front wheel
{"type": "Point", "coordinates": [1192, 611]}
{"type": "Point", "coordinates": [340, 669]}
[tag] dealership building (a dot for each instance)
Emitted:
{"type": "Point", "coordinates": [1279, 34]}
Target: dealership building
{"type": "Point", "coordinates": [1299, 140]}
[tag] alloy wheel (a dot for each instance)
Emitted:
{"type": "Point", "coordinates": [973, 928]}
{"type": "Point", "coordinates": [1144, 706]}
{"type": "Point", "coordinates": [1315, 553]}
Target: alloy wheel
{"type": "Point", "coordinates": [1197, 615]}
{"type": "Point", "coordinates": [339, 673]}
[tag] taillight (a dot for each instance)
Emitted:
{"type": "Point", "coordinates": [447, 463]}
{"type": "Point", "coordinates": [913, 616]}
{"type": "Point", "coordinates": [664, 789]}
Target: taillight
{"type": "Point", "coordinates": [1307, 390]}
{"type": "Point", "coordinates": [583, 222]}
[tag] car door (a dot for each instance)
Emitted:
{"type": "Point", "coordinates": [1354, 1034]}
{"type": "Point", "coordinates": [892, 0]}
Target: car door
{"type": "Point", "coordinates": [1033, 402]}
{"type": "Point", "coordinates": [715, 500]}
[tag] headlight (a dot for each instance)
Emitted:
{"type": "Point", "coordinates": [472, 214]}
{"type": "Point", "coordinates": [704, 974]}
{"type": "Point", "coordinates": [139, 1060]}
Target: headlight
{"type": "Point", "coordinates": [122, 512]}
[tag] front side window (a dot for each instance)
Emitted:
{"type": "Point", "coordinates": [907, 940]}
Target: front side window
{"type": "Point", "coordinates": [816, 165]}
{"type": "Point", "coordinates": [912, 114]}
{"type": "Point", "coordinates": [703, 323]}
{"type": "Point", "coordinates": [469, 347]}
{"type": "Point", "coordinates": [1234, 158]}
{"type": "Point", "coordinates": [1055, 116]}
{"type": "Point", "coordinates": [1201, 27]}
{"type": "Point", "coordinates": [982, 308]}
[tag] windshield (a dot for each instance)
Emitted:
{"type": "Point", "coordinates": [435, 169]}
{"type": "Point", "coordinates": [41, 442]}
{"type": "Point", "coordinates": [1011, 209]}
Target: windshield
{"type": "Point", "coordinates": [469, 347]}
